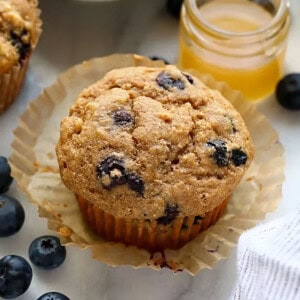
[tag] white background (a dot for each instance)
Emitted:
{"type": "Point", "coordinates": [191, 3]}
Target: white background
{"type": "Point", "coordinates": [75, 31]}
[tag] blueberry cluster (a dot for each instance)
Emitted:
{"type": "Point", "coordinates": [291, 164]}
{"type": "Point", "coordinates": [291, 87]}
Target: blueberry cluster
{"type": "Point", "coordinates": [45, 252]}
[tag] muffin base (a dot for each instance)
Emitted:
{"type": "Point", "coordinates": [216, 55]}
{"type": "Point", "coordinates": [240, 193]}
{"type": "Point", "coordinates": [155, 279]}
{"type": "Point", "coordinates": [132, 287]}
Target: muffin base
{"type": "Point", "coordinates": [147, 234]}
{"type": "Point", "coordinates": [11, 83]}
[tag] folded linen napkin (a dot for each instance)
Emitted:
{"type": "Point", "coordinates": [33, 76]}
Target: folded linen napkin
{"type": "Point", "coordinates": [269, 261]}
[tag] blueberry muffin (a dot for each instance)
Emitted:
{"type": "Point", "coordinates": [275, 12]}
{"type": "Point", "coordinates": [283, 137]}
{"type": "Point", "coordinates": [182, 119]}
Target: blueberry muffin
{"type": "Point", "coordinates": [152, 155]}
{"type": "Point", "coordinates": [19, 33]}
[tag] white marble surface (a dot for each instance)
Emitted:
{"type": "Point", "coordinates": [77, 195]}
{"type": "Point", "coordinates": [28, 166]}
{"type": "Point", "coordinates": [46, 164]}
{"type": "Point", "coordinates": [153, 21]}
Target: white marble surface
{"type": "Point", "coordinates": [74, 31]}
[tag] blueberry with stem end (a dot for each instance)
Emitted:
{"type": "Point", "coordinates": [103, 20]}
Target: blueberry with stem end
{"type": "Point", "coordinates": [15, 276]}
{"type": "Point", "coordinates": [12, 216]}
{"type": "Point", "coordinates": [46, 252]}
{"type": "Point", "coordinates": [5, 178]}
{"type": "Point", "coordinates": [53, 296]}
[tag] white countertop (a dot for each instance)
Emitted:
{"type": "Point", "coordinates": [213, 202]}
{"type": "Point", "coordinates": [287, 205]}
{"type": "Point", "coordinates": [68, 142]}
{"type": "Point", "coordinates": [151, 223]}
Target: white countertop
{"type": "Point", "coordinates": [73, 32]}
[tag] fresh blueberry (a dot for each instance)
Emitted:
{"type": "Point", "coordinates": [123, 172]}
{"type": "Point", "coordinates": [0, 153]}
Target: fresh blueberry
{"type": "Point", "coordinates": [288, 91]}
{"type": "Point", "coordinates": [174, 7]}
{"type": "Point", "coordinates": [53, 296]}
{"type": "Point", "coordinates": [5, 178]}
{"type": "Point", "coordinates": [122, 117]}
{"type": "Point", "coordinates": [160, 58]}
{"type": "Point", "coordinates": [11, 216]}
{"type": "Point", "coordinates": [238, 157]}
{"type": "Point", "coordinates": [15, 276]}
{"type": "Point", "coordinates": [165, 81]}
{"type": "Point", "coordinates": [171, 212]}
{"type": "Point", "coordinates": [46, 252]}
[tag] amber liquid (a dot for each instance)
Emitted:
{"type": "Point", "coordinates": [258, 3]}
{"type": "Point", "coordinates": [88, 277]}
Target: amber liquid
{"type": "Point", "coordinates": [255, 78]}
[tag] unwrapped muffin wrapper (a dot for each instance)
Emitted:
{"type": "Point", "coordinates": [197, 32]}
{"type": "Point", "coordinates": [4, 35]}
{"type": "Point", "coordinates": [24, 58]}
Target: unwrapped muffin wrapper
{"type": "Point", "coordinates": [35, 168]}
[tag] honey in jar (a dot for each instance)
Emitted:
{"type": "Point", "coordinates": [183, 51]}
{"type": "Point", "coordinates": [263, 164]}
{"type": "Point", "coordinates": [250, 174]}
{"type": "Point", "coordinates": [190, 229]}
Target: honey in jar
{"type": "Point", "coordinates": [242, 42]}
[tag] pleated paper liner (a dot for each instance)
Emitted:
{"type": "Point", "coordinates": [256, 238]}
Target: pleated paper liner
{"type": "Point", "coordinates": [35, 169]}
{"type": "Point", "coordinates": [147, 234]}
{"type": "Point", "coordinates": [12, 80]}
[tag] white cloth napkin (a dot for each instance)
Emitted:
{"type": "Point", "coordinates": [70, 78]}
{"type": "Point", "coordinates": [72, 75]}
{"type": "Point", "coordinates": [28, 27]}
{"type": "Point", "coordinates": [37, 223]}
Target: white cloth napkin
{"type": "Point", "coordinates": [269, 261]}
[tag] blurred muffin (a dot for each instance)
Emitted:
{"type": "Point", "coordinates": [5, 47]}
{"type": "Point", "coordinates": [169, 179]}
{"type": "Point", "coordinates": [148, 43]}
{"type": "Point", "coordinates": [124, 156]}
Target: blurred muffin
{"type": "Point", "coordinates": [20, 28]}
{"type": "Point", "coordinates": [152, 155]}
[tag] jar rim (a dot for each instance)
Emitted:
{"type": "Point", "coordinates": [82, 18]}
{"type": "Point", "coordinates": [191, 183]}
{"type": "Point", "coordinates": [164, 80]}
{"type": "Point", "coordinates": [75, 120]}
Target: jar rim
{"type": "Point", "coordinates": [193, 10]}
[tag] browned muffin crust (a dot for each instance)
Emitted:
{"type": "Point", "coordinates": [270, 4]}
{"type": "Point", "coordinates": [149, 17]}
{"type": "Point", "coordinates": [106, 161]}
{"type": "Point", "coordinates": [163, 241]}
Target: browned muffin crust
{"type": "Point", "coordinates": [144, 142]}
{"type": "Point", "coordinates": [19, 31]}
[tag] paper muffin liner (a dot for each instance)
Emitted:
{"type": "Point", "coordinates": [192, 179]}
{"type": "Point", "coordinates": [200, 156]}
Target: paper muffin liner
{"type": "Point", "coordinates": [35, 168]}
{"type": "Point", "coordinates": [12, 80]}
{"type": "Point", "coordinates": [147, 234]}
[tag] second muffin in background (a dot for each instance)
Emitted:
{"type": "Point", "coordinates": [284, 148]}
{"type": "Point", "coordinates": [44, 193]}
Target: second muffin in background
{"type": "Point", "coordinates": [20, 27]}
{"type": "Point", "coordinates": [152, 155]}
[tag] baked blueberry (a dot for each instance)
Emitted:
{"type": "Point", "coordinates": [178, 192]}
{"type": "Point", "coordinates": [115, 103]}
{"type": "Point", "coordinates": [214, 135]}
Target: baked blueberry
{"type": "Point", "coordinates": [11, 216]}
{"type": "Point", "coordinates": [170, 214]}
{"type": "Point", "coordinates": [165, 81]}
{"type": "Point", "coordinates": [122, 117]}
{"type": "Point", "coordinates": [160, 58]}
{"type": "Point", "coordinates": [184, 226]}
{"type": "Point", "coordinates": [288, 91]}
{"type": "Point", "coordinates": [46, 252]}
{"type": "Point", "coordinates": [220, 155]}
{"type": "Point", "coordinates": [15, 276]}
{"type": "Point", "coordinates": [234, 129]}
{"type": "Point", "coordinates": [189, 78]}
{"type": "Point", "coordinates": [5, 178]}
{"type": "Point", "coordinates": [17, 41]}
{"type": "Point", "coordinates": [111, 171]}
{"type": "Point", "coordinates": [53, 296]}
{"type": "Point", "coordinates": [135, 183]}
{"type": "Point", "coordinates": [238, 157]}
{"type": "Point", "coordinates": [174, 7]}
{"type": "Point", "coordinates": [197, 220]}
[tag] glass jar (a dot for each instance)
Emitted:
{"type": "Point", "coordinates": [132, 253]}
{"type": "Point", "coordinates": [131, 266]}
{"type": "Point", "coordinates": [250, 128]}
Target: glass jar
{"type": "Point", "coordinates": [242, 42]}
